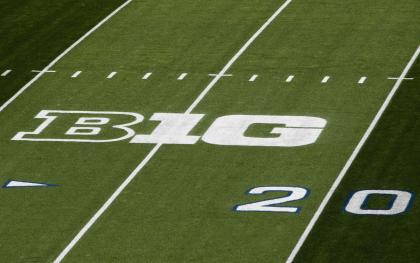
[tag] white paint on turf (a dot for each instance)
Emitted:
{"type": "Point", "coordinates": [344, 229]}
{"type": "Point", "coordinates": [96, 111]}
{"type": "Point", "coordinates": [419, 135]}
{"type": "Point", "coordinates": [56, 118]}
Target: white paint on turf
{"type": "Point", "coordinates": [290, 78]}
{"type": "Point", "coordinates": [224, 75]}
{"type": "Point", "coordinates": [325, 79]}
{"type": "Point", "coordinates": [15, 184]}
{"type": "Point", "coordinates": [45, 71]}
{"type": "Point", "coordinates": [397, 78]}
{"type": "Point", "coordinates": [237, 55]}
{"type": "Point", "coordinates": [111, 75]}
{"type": "Point", "coordinates": [362, 80]}
{"type": "Point", "coordinates": [6, 72]}
{"type": "Point", "coordinates": [400, 203]}
{"type": "Point", "coordinates": [253, 78]}
{"type": "Point", "coordinates": [65, 52]}
{"type": "Point", "coordinates": [149, 156]}
{"type": "Point", "coordinates": [147, 75]}
{"type": "Point", "coordinates": [352, 157]}
{"type": "Point", "coordinates": [76, 74]}
{"type": "Point", "coordinates": [182, 76]}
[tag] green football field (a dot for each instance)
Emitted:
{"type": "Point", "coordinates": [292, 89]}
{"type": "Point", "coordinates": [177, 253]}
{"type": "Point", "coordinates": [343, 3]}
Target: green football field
{"type": "Point", "coordinates": [209, 131]}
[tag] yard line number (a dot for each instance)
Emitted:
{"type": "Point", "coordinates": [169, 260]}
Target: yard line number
{"type": "Point", "coordinates": [272, 205]}
{"type": "Point", "coordinates": [357, 203]}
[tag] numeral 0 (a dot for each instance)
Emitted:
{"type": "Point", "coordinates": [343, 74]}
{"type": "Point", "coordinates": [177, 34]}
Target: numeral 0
{"type": "Point", "coordinates": [398, 205]}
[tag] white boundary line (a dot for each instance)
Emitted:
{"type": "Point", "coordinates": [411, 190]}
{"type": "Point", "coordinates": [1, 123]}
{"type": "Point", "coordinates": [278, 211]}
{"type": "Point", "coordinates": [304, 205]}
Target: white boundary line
{"type": "Point", "coordinates": [352, 157]}
{"type": "Point", "coordinates": [52, 63]}
{"type": "Point", "coordinates": [149, 156]}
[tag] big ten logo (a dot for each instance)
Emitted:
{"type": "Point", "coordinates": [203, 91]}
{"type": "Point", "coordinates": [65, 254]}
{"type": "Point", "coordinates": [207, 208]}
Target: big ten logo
{"type": "Point", "coordinates": [173, 128]}
{"type": "Point", "coordinates": [82, 126]}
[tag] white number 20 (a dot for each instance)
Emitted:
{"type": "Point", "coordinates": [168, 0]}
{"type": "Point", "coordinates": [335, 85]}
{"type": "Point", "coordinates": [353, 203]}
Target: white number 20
{"type": "Point", "coordinates": [272, 205]}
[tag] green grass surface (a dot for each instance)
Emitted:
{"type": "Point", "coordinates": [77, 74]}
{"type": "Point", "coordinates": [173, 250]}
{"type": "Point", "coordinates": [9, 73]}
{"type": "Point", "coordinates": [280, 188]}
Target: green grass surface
{"type": "Point", "coordinates": [180, 207]}
{"type": "Point", "coordinates": [388, 161]}
{"type": "Point", "coordinates": [34, 32]}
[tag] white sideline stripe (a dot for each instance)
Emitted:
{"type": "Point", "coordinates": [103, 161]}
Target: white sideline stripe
{"type": "Point", "coordinates": [6, 72]}
{"type": "Point", "coordinates": [65, 52]}
{"type": "Point", "coordinates": [111, 75]}
{"type": "Point", "coordinates": [147, 75]}
{"type": "Point", "coordinates": [362, 80]}
{"type": "Point", "coordinates": [290, 78]}
{"type": "Point", "coordinates": [149, 156]}
{"type": "Point", "coordinates": [352, 158]}
{"type": "Point", "coordinates": [253, 78]}
{"type": "Point", "coordinates": [182, 76]}
{"type": "Point", "coordinates": [325, 79]}
{"type": "Point", "coordinates": [76, 74]}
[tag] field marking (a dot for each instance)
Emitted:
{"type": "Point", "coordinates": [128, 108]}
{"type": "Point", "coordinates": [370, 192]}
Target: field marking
{"type": "Point", "coordinates": [362, 80]}
{"type": "Point", "coordinates": [111, 75]}
{"type": "Point", "coordinates": [76, 74]}
{"type": "Point", "coordinates": [290, 78]}
{"type": "Point", "coordinates": [65, 52]}
{"type": "Point", "coordinates": [236, 56]}
{"type": "Point", "coordinates": [6, 72]}
{"type": "Point", "coordinates": [352, 157]}
{"type": "Point", "coordinates": [325, 79]}
{"type": "Point", "coordinates": [182, 76]}
{"type": "Point", "coordinates": [396, 78]}
{"type": "Point", "coordinates": [147, 75]}
{"type": "Point", "coordinates": [45, 71]}
{"type": "Point", "coordinates": [224, 75]}
{"type": "Point", "coordinates": [149, 156]}
{"type": "Point", "coordinates": [253, 78]}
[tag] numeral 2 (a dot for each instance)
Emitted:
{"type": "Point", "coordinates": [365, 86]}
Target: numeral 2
{"type": "Point", "coordinates": [272, 205]}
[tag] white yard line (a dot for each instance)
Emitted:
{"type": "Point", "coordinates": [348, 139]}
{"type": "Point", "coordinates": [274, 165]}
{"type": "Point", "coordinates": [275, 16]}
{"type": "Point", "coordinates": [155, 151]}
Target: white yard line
{"type": "Point", "coordinates": [362, 80]}
{"type": "Point", "coordinates": [225, 75]}
{"type": "Point", "coordinates": [182, 76]}
{"type": "Point", "coordinates": [6, 72]}
{"type": "Point", "coordinates": [52, 63]}
{"type": "Point", "coordinates": [44, 71]}
{"type": "Point", "coordinates": [236, 56]}
{"type": "Point", "coordinates": [352, 157]}
{"type": "Point", "coordinates": [76, 74]}
{"type": "Point", "coordinates": [149, 156]}
{"type": "Point", "coordinates": [253, 78]}
{"type": "Point", "coordinates": [290, 78]}
{"type": "Point", "coordinates": [111, 75]}
{"type": "Point", "coordinates": [325, 79]}
{"type": "Point", "coordinates": [147, 75]}
{"type": "Point", "coordinates": [396, 78]}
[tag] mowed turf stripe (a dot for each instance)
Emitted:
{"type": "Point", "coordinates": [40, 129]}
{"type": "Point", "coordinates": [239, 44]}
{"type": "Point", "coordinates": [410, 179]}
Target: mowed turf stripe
{"type": "Point", "coordinates": [156, 148]}
{"type": "Point", "coordinates": [353, 155]}
{"type": "Point", "coordinates": [88, 173]}
{"type": "Point", "coordinates": [60, 56]}
{"type": "Point", "coordinates": [388, 161]}
{"type": "Point", "coordinates": [35, 32]}
{"type": "Point", "coordinates": [180, 209]}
